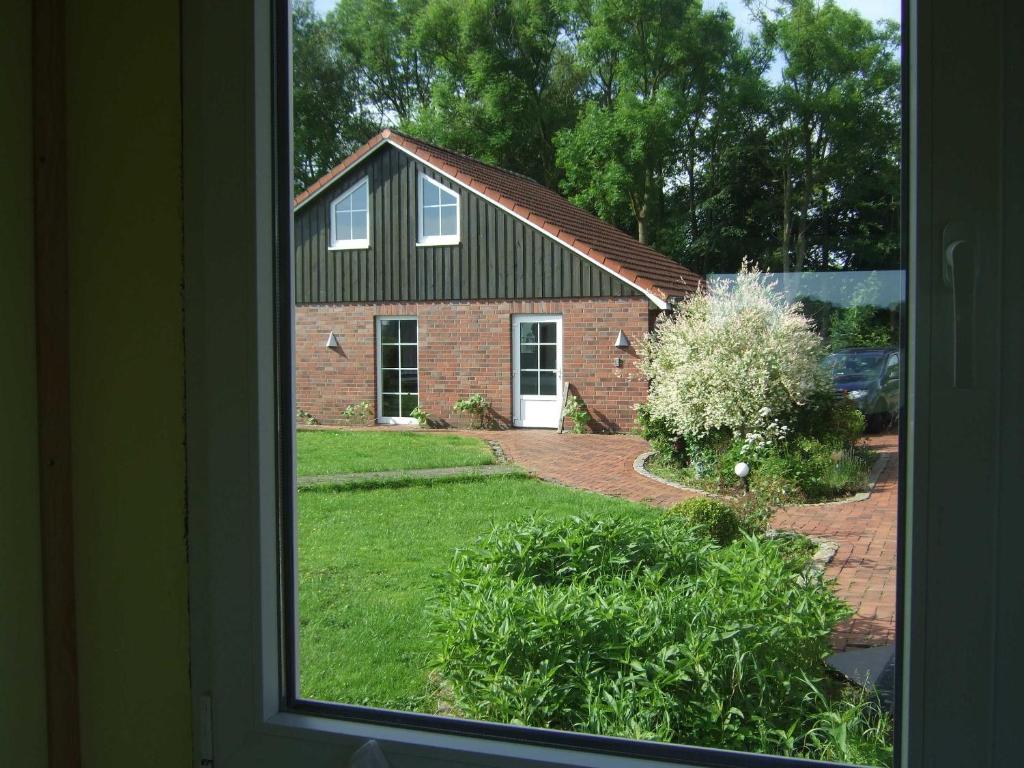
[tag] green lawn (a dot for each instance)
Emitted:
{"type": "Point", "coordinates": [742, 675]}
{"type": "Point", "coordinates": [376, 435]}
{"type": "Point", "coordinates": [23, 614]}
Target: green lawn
{"type": "Point", "coordinates": [367, 561]}
{"type": "Point", "coordinates": [330, 453]}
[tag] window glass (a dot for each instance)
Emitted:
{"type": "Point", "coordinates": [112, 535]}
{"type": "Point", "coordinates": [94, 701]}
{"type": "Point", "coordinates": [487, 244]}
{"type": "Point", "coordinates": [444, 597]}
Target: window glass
{"type": "Point", "coordinates": [351, 214]}
{"type": "Point", "coordinates": [704, 525]}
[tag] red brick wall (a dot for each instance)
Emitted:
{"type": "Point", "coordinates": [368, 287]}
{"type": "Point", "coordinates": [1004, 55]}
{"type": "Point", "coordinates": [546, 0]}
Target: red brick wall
{"type": "Point", "coordinates": [466, 347]}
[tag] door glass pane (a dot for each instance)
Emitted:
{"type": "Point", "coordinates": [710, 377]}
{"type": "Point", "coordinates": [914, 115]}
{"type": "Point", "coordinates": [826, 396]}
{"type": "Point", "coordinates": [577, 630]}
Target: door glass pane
{"type": "Point", "coordinates": [527, 356]}
{"type": "Point", "coordinates": [528, 383]}
{"type": "Point", "coordinates": [408, 331]}
{"type": "Point", "coordinates": [548, 383]}
{"type": "Point", "coordinates": [389, 380]}
{"type": "Point", "coordinates": [409, 403]}
{"type": "Point", "coordinates": [388, 356]}
{"type": "Point", "coordinates": [548, 356]}
{"type": "Point", "coordinates": [389, 406]}
{"type": "Point", "coordinates": [409, 381]}
{"type": "Point", "coordinates": [548, 332]}
{"type": "Point", "coordinates": [389, 331]}
{"type": "Point", "coordinates": [408, 355]}
{"type": "Point", "coordinates": [528, 333]}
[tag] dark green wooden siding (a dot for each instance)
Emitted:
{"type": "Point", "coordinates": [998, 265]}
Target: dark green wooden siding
{"type": "Point", "coordinates": [499, 256]}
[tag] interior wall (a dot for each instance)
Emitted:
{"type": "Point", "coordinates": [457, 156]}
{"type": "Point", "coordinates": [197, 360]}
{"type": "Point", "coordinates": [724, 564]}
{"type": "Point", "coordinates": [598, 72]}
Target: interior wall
{"type": "Point", "coordinates": [22, 676]}
{"type": "Point", "coordinates": [127, 381]}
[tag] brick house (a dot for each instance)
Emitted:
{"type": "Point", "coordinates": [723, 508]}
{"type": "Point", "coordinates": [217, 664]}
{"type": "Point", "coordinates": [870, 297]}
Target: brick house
{"type": "Point", "coordinates": [423, 276]}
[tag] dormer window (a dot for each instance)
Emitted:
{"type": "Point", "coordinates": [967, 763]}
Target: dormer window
{"type": "Point", "coordinates": [438, 214]}
{"type": "Point", "coordinates": [350, 218]}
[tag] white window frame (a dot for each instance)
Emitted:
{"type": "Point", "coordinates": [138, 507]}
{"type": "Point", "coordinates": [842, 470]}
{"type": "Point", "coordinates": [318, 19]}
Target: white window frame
{"type": "Point", "coordinates": [423, 240]}
{"type": "Point", "coordinates": [959, 610]}
{"type": "Point", "coordinates": [378, 342]}
{"type": "Point", "coordinates": [352, 243]}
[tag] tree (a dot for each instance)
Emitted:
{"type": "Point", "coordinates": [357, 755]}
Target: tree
{"type": "Point", "coordinates": [835, 135]}
{"type": "Point", "coordinates": [329, 119]}
{"type": "Point", "coordinates": [505, 83]}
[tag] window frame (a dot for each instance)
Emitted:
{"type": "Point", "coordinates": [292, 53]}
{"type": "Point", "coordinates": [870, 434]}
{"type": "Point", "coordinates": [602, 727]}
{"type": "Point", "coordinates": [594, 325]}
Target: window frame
{"type": "Point", "coordinates": [378, 343]}
{"type": "Point", "coordinates": [352, 244]}
{"type": "Point", "coordinates": [237, 407]}
{"type": "Point", "coordinates": [423, 240]}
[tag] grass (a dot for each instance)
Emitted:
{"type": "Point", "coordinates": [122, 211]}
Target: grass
{"type": "Point", "coordinates": [368, 558]}
{"type": "Point", "coordinates": [335, 453]}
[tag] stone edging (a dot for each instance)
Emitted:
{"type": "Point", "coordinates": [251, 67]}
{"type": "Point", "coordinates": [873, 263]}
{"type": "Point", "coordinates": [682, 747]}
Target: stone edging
{"type": "Point", "coordinates": [640, 466]}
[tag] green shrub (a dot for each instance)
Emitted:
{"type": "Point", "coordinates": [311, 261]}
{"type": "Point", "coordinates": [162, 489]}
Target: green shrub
{"type": "Point", "coordinates": [422, 417]}
{"type": "Point", "coordinates": [660, 435]}
{"type": "Point", "coordinates": [830, 418]}
{"type": "Point", "coordinates": [636, 628]}
{"type": "Point", "coordinates": [577, 413]}
{"type": "Point", "coordinates": [717, 519]}
{"type": "Point", "coordinates": [811, 470]}
{"type": "Point", "coordinates": [477, 406]}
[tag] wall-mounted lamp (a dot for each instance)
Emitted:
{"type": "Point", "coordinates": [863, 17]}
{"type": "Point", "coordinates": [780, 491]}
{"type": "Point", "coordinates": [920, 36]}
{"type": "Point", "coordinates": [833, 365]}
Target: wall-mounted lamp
{"type": "Point", "coordinates": [332, 341]}
{"type": "Point", "coordinates": [621, 341]}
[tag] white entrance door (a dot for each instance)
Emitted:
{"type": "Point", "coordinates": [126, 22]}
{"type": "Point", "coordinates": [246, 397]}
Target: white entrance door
{"type": "Point", "coordinates": [537, 370]}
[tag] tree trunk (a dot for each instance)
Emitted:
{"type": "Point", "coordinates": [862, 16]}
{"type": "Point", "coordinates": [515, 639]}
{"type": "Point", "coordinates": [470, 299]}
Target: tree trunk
{"type": "Point", "coordinates": [787, 224]}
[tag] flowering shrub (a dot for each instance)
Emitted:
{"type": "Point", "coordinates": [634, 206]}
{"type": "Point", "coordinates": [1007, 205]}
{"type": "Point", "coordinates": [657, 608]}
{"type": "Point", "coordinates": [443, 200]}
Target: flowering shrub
{"type": "Point", "coordinates": [737, 360]}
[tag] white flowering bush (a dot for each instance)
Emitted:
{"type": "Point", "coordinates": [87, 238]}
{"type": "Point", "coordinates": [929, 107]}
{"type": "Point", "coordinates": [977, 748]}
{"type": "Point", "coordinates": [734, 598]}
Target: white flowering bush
{"type": "Point", "coordinates": [736, 361]}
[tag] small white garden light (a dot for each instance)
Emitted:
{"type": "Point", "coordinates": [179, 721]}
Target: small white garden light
{"type": "Point", "coordinates": [742, 470]}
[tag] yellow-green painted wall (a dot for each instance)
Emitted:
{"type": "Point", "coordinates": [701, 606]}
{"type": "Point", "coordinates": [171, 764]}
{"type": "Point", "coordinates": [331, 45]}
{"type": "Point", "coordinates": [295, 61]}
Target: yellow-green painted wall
{"type": "Point", "coordinates": [22, 704]}
{"type": "Point", "coordinates": [127, 368]}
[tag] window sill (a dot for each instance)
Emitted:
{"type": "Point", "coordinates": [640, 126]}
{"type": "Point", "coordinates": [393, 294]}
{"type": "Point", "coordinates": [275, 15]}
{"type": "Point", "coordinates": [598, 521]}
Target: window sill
{"type": "Point", "coordinates": [350, 245]}
{"type": "Point", "coordinates": [438, 241]}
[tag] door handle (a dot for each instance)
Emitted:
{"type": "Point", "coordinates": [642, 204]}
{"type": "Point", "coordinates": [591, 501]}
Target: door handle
{"type": "Point", "coordinates": [960, 272]}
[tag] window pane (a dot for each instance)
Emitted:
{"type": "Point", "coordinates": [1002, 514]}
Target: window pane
{"type": "Point", "coordinates": [342, 221]}
{"type": "Point", "coordinates": [527, 355]}
{"type": "Point", "coordinates": [548, 356]}
{"type": "Point", "coordinates": [409, 381]}
{"type": "Point", "coordinates": [528, 333]}
{"type": "Point", "coordinates": [408, 356]}
{"type": "Point", "coordinates": [358, 226]}
{"type": "Point", "coordinates": [548, 383]}
{"type": "Point", "coordinates": [408, 331]}
{"type": "Point", "coordinates": [548, 333]}
{"type": "Point", "coordinates": [389, 331]}
{"type": "Point", "coordinates": [409, 403]}
{"type": "Point", "coordinates": [358, 198]}
{"type": "Point", "coordinates": [431, 222]}
{"type": "Point", "coordinates": [449, 224]}
{"type": "Point", "coordinates": [388, 356]}
{"type": "Point", "coordinates": [389, 380]}
{"type": "Point", "coordinates": [528, 383]}
{"type": "Point", "coordinates": [429, 192]}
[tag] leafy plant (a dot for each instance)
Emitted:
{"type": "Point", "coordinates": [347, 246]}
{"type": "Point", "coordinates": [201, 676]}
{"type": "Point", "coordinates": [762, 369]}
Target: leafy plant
{"type": "Point", "coordinates": [477, 406]}
{"type": "Point", "coordinates": [716, 519]}
{"type": "Point", "coordinates": [422, 417]}
{"type": "Point", "coordinates": [641, 629]}
{"type": "Point", "coordinates": [577, 413]}
{"type": "Point", "coordinates": [357, 413]}
{"type": "Point", "coordinates": [663, 439]}
{"type": "Point", "coordinates": [306, 417]}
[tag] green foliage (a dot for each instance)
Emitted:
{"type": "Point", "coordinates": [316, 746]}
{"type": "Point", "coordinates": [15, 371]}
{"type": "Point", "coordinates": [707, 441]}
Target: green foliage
{"type": "Point", "coordinates": [422, 417]}
{"type": "Point", "coordinates": [577, 413]}
{"type": "Point", "coordinates": [477, 406]}
{"type": "Point", "coordinates": [660, 434]}
{"type": "Point", "coordinates": [860, 326]}
{"type": "Point", "coordinates": [357, 414]}
{"type": "Point", "coordinates": [306, 417]}
{"type": "Point", "coordinates": [809, 470]}
{"type": "Point", "coordinates": [345, 451]}
{"type": "Point", "coordinates": [639, 629]}
{"type": "Point", "coordinates": [717, 519]}
{"type": "Point", "coordinates": [831, 419]}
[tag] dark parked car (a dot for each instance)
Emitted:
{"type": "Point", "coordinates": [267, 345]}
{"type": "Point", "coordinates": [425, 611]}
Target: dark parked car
{"type": "Point", "coordinates": [870, 377]}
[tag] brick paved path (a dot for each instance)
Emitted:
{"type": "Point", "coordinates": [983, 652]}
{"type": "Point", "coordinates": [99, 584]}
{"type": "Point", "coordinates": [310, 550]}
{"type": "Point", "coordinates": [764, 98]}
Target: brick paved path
{"type": "Point", "coordinates": [864, 565]}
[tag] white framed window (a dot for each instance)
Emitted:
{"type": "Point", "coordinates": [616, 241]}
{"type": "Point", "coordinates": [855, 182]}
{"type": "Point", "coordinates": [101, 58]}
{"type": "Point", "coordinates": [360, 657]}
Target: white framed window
{"type": "Point", "coordinates": [438, 214]}
{"type": "Point", "coordinates": [957, 707]}
{"type": "Point", "coordinates": [350, 218]}
{"type": "Point", "coordinates": [398, 376]}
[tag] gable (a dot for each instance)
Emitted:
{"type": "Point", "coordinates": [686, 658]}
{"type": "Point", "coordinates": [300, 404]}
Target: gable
{"type": "Point", "coordinates": [499, 255]}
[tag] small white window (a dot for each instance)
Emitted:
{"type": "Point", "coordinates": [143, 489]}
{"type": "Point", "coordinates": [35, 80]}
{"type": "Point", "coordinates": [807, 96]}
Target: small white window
{"type": "Point", "coordinates": [439, 214]}
{"type": "Point", "coordinates": [350, 218]}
